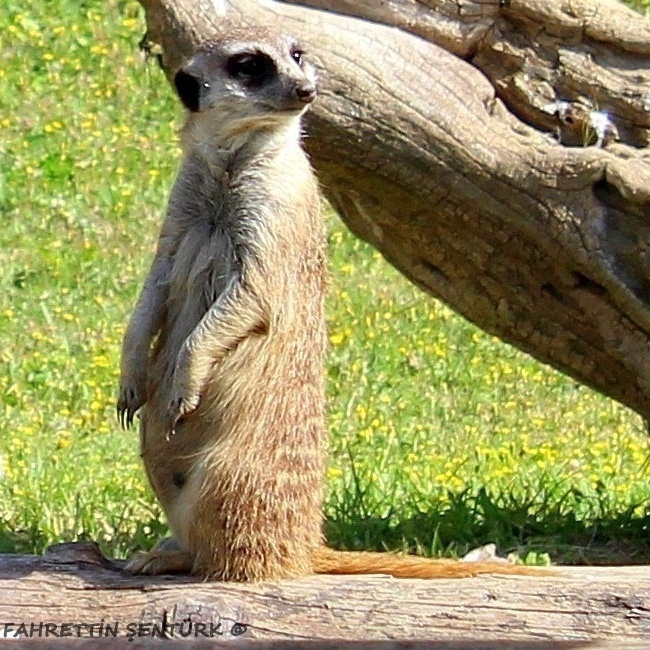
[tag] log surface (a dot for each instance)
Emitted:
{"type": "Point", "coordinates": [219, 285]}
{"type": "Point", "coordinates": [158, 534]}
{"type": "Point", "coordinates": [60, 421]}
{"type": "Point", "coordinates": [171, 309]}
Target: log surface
{"type": "Point", "coordinates": [73, 584]}
{"type": "Point", "coordinates": [438, 139]}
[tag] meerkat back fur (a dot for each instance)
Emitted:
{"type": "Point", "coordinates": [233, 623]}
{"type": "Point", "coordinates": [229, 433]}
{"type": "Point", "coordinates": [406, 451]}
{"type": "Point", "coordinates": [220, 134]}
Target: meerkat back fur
{"type": "Point", "coordinates": [224, 353]}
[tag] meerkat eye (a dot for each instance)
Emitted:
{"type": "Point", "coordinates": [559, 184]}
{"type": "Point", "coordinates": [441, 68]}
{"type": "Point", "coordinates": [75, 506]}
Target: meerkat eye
{"type": "Point", "coordinates": [252, 69]}
{"type": "Point", "coordinates": [296, 55]}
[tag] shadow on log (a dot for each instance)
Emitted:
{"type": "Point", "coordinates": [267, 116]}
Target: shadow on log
{"type": "Point", "coordinates": [463, 139]}
{"type": "Point", "coordinates": [77, 591]}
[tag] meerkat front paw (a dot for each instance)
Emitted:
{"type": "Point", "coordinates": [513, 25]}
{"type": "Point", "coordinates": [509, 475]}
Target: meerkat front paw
{"type": "Point", "coordinates": [180, 407]}
{"type": "Point", "coordinates": [131, 397]}
{"type": "Point", "coordinates": [185, 391]}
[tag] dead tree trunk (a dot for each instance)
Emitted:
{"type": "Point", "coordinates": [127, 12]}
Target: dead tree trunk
{"type": "Point", "coordinates": [495, 152]}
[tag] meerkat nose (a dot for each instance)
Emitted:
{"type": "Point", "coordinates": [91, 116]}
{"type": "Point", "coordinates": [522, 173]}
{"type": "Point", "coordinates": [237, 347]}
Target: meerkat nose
{"type": "Point", "coordinates": [306, 92]}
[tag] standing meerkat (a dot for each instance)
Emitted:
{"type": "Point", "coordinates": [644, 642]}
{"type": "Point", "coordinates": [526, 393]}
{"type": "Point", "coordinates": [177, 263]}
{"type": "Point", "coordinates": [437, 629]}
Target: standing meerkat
{"type": "Point", "coordinates": [224, 352]}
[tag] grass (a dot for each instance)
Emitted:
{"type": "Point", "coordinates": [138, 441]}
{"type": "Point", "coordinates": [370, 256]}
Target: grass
{"type": "Point", "coordinates": [442, 437]}
{"type": "Point", "coordinates": [640, 5]}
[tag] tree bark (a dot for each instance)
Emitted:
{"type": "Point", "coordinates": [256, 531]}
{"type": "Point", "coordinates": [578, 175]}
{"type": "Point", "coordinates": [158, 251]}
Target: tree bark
{"type": "Point", "coordinates": [73, 585]}
{"type": "Point", "coordinates": [494, 152]}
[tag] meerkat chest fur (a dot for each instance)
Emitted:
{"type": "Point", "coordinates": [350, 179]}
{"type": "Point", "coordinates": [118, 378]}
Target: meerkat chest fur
{"type": "Point", "coordinates": [257, 201]}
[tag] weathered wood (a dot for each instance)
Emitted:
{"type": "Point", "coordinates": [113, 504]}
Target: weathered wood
{"type": "Point", "coordinates": [74, 584]}
{"type": "Point", "coordinates": [447, 163]}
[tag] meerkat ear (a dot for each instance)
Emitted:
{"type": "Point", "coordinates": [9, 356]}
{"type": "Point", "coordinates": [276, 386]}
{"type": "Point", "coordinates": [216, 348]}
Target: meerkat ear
{"type": "Point", "coordinates": [190, 89]}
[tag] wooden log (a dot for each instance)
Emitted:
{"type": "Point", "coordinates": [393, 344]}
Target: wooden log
{"type": "Point", "coordinates": [73, 588]}
{"type": "Point", "coordinates": [474, 169]}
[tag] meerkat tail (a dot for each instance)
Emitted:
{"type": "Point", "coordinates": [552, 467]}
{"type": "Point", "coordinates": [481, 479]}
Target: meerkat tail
{"type": "Point", "coordinates": [326, 560]}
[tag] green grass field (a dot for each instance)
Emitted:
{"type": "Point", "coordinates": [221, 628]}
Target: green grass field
{"type": "Point", "coordinates": [442, 437]}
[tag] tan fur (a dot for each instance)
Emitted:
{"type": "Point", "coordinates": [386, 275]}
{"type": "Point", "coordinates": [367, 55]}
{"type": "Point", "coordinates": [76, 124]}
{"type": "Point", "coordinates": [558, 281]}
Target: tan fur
{"type": "Point", "coordinates": [326, 560]}
{"type": "Point", "coordinates": [224, 353]}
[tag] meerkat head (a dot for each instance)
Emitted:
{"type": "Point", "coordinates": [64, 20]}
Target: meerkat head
{"type": "Point", "coordinates": [246, 80]}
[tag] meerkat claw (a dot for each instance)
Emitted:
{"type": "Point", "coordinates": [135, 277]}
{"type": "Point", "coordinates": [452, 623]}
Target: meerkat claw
{"type": "Point", "coordinates": [179, 409]}
{"type": "Point", "coordinates": [128, 404]}
{"type": "Point", "coordinates": [121, 414]}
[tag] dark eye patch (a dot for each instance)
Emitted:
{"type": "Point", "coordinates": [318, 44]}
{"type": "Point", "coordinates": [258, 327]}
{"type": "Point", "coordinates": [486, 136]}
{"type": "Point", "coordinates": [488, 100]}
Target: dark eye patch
{"type": "Point", "coordinates": [253, 69]}
{"type": "Point", "coordinates": [188, 88]}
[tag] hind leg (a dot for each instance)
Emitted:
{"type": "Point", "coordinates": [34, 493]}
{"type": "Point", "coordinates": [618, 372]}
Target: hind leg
{"type": "Point", "coordinates": [167, 556]}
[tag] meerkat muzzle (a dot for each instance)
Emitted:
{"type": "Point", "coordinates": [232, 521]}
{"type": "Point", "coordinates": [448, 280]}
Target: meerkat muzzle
{"type": "Point", "coordinates": [306, 93]}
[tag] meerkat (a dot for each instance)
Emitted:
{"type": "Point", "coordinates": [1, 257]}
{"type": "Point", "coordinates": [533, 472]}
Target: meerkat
{"type": "Point", "coordinates": [224, 353]}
